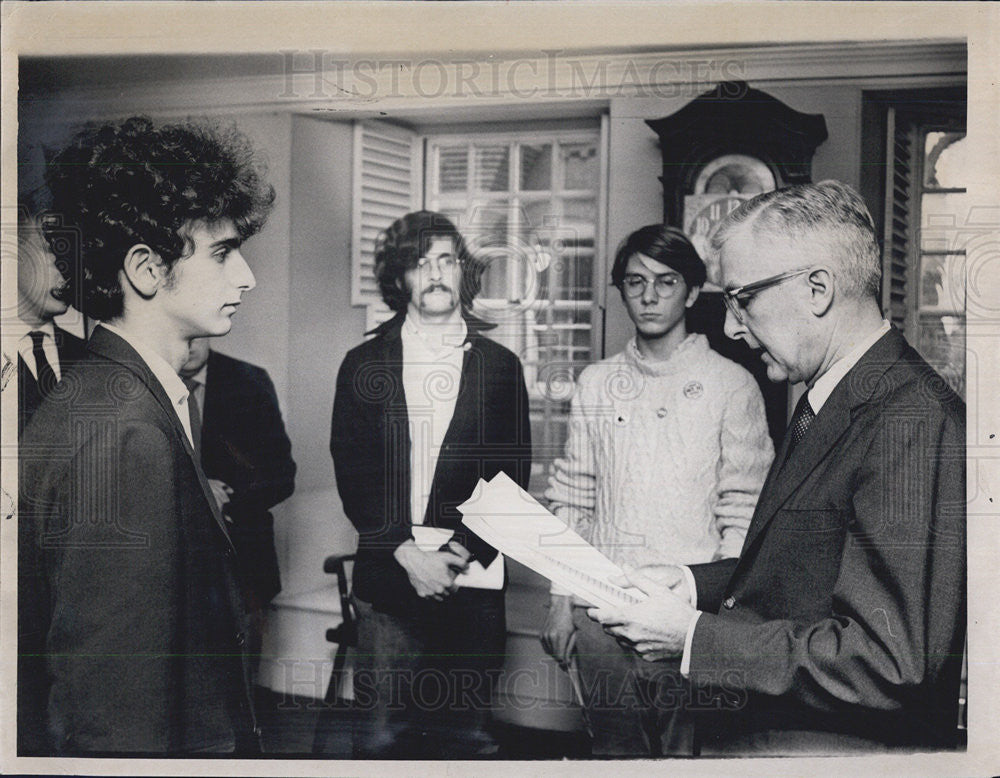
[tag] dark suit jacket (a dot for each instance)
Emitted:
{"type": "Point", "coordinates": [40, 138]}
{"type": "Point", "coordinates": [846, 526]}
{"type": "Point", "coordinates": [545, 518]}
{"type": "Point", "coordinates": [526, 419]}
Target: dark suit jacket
{"type": "Point", "coordinates": [71, 349]}
{"type": "Point", "coordinates": [131, 624]}
{"type": "Point", "coordinates": [243, 443]}
{"type": "Point", "coordinates": [370, 442]}
{"type": "Point", "coordinates": [842, 623]}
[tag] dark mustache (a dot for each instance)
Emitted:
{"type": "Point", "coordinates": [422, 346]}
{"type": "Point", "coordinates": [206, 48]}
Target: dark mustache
{"type": "Point", "coordinates": [433, 287]}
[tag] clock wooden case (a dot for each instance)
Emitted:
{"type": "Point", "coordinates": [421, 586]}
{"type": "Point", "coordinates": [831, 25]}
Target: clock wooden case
{"type": "Point", "coordinates": [726, 146]}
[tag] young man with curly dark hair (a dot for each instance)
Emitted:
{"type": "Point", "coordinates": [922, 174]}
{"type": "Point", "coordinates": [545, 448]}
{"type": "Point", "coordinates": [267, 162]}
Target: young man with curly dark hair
{"type": "Point", "coordinates": [424, 410]}
{"type": "Point", "coordinates": [131, 628]}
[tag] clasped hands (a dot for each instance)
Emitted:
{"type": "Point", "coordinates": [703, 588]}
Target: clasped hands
{"type": "Point", "coordinates": [656, 627]}
{"type": "Point", "coordinates": [432, 573]}
{"type": "Point", "coordinates": [222, 492]}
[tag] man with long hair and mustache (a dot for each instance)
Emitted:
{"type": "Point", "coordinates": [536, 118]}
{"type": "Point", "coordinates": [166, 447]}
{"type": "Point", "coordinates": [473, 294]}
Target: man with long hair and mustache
{"type": "Point", "coordinates": [424, 410]}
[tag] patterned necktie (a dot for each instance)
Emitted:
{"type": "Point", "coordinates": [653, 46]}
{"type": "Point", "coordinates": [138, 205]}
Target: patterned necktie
{"type": "Point", "coordinates": [194, 411]}
{"type": "Point", "coordinates": [46, 375]}
{"type": "Point", "coordinates": [801, 420]}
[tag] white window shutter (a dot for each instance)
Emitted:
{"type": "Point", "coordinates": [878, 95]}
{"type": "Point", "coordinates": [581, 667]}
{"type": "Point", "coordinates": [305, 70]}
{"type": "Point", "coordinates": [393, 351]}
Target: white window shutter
{"type": "Point", "coordinates": [387, 176]}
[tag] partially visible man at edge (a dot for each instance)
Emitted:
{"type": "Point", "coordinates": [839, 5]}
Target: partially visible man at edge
{"type": "Point", "coordinates": [131, 628]}
{"type": "Point", "coordinates": [841, 625]}
{"type": "Point", "coordinates": [33, 344]}
{"type": "Point", "coordinates": [247, 457]}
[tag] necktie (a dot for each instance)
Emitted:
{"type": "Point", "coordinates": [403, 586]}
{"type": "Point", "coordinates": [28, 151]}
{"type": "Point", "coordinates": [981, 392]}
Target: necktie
{"type": "Point", "coordinates": [801, 420]}
{"type": "Point", "coordinates": [46, 375]}
{"type": "Point", "coordinates": [195, 413]}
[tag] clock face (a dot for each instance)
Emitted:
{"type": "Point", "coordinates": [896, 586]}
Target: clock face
{"type": "Point", "coordinates": [722, 185]}
{"type": "Point", "coordinates": [702, 214]}
{"type": "Point", "coordinates": [736, 174]}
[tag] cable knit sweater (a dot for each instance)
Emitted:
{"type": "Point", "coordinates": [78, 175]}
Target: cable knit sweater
{"type": "Point", "coordinates": [664, 460]}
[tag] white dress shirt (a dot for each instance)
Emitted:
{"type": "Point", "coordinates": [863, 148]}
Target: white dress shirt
{"type": "Point", "coordinates": [172, 384]}
{"type": "Point", "coordinates": [432, 371]}
{"type": "Point", "coordinates": [819, 393]}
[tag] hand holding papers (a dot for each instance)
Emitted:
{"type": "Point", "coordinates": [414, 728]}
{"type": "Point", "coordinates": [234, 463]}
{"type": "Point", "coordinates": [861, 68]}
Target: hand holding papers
{"type": "Point", "coordinates": [512, 521]}
{"type": "Point", "coordinates": [475, 576]}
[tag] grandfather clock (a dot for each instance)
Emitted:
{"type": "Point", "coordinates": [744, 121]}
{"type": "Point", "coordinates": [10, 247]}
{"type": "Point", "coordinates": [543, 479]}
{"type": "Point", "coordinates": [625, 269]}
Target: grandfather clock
{"type": "Point", "coordinates": [724, 147]}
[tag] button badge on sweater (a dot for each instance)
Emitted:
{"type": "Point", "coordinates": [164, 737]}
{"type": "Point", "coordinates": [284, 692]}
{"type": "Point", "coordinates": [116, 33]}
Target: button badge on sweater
{"type": "Point", "coordinates": [693, 390]}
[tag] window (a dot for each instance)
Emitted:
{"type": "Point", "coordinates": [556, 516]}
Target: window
{"type": "Point", "coordinates": [940, 265]}
{"type": "Point", "coordinates": [528, 204]}
{"type": "Point", "coordinates": [924, 259]}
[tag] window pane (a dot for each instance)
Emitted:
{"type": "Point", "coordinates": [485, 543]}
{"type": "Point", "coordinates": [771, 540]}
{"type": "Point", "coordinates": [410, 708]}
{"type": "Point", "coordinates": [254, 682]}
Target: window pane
{"type": "Point", "coordinates": [582, 214]}
{"type": "Point", "coordinates": [536, 167]}
{"type": "Point", "coordinates": [492, 168]}
{"type": "Point", "coordinates": [579, 165]}
{"type": "Point", "coordinates": [942, 283]}
{"type": "Point", "coordinates": [536, 245]}
{"type": "Point", "coordinates": [569, 242]}
{"type": "Point", "coordinates": [945, 161]}
{"type": "Point", "coordinates": [941, 341]}
{"type": "Point", "coordinates": [489, 240]}
{"type": "Point", "coordinates": [943, 215]}
{"type": "Point", "coordinates": [453, 168]}
{"type": "Point", "coordinates": [575, 249]}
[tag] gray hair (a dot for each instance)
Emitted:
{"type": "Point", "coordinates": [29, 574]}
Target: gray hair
{"type": "Point", "coordinates": [832, 213]}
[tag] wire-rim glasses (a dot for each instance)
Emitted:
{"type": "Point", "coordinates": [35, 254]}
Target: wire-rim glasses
{"type": "Point", "coordinates": [634, 285]}
{"type": "Point", "coordinates": [445, 263]}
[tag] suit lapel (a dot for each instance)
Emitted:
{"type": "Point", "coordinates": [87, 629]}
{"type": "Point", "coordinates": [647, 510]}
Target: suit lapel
{"type": "Point", "coordinates": [468, 387]}
{"type": "Point", "coordinates": [856, 388]}
{"type": "Point", "coordinates": [69, 347]}
{"type": "Point", "coordinates": [110, 346]}
{"type": "Point", "coordinates": [466, 414]}
{"type": "Point", "coordinates": [786, 476]}
{"type": "Point", "coordinates": [396, 423]}
{"type": "Point", "coordinates": [29, 397]}
{"type": "Point", "coordinates": [27, 381]}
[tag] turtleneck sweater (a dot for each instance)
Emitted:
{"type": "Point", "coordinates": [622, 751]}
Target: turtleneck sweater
{"type": "Point", "coordinates": [664, 459]}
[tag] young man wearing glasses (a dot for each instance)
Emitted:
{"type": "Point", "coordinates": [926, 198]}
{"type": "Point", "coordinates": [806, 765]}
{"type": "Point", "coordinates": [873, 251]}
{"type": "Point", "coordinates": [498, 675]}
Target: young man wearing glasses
{"type": "Point", "coordinates": [424, 410]}
{"type": "Point", "coordinates": [667, 452]}
{"type": "Point", "coordinates": [841, 626]}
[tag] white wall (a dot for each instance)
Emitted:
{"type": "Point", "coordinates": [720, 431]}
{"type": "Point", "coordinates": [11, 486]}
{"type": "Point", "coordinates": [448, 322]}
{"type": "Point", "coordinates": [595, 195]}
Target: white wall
{"type": "Point", "coordinates": [322, 326]}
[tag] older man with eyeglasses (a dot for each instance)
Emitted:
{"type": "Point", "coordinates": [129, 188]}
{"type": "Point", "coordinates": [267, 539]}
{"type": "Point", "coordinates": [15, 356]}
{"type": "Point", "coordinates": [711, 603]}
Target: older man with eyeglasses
{"type": "Point", "coordinates": [841, 625]}
{"type": "Point", "coordinates": [667, 451]}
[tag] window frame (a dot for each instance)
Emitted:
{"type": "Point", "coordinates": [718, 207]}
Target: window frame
{"type": "Point", "coordinates": [552, 413]}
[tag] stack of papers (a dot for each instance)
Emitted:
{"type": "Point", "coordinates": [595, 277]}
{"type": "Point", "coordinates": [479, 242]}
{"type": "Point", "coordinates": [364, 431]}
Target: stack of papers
{"type": "Point", "coordinates": [516, 524]}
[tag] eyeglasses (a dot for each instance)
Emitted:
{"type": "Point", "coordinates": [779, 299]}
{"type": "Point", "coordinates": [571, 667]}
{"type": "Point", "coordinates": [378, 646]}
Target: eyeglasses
{"type": "Point", "coordinates": [634, 285]}
{"type": "Point", "coordinates": [445, 262]}
{"type": "Point", "coordinates": [739, 298]}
